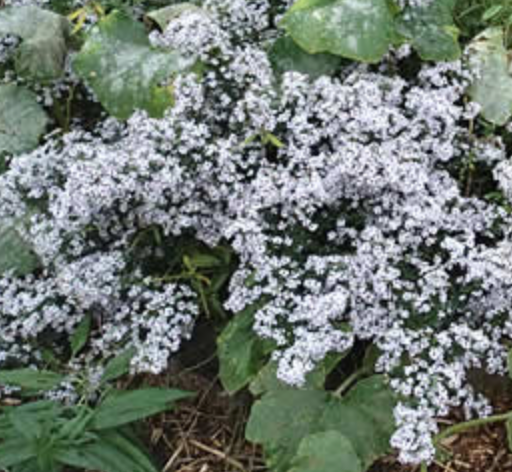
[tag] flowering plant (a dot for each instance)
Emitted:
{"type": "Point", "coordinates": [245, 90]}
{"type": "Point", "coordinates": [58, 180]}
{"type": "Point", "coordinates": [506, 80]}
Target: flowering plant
{"type": "Point", "coordinates": [328, 183]}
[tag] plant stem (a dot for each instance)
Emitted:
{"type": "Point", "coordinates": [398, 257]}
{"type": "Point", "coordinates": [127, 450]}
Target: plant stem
{"type": "Point", "coordinates": [462, 427]}
{"type": "Point", "coordinates": [349, 381]}
{"type": "Point", "coordinates": [424, 467]}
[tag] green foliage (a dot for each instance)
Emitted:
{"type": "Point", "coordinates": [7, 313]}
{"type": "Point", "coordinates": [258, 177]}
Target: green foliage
{"type": "Point", "coordinates": [241, 352]}
{"type": "Point", "coordinates": [22, 120]}
{"type": "Point", "coordinates": [79, 338]}
{"type": "Point", "coordinates": [267, 380]}
{"type": "Point", "coordinates": [15, 252]}
{"type": "Point", "coordinates": [163, 16]}
{"type": "Point", "coordinates": [43, 50]}
{"type": "Point", "coordinates": [432, 31]}
{"type": "Point", "coordinates": [45, 436]}
{"type": "Point", "coordinates": [361, 30]}
{"type": "Point", "coordinates": [286, 55]}
{"type": "Point", "coordinates": [118, 366]}
{"type": "Point", "coordinates": [120, 408]}
{"type": "Point", "coordinates": [125, 71]}
{"type": "Point", "coordinates": [364, 30]}
{"type": "Point", "coordinates": [326, 452]}
{"type": "Point", "coordinates": [493, 87]}
{"type": "Point", "coordinates": [282, 419]}
{"type": "Point", "coordinates": [30, 379]}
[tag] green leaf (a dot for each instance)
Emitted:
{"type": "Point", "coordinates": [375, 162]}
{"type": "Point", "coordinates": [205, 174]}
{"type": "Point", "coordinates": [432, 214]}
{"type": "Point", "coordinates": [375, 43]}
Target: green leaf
{"type": "Point", "coordinates": [14, 452]}
{"type": "Point", "coordinates": [357, 29]}
{"type": "Point", "coordinates": [39, 380]}
{"type": "Point", "coordinates": [281, 419]}
{"type": "Point", "coordinates": [285, 55]}
{"type": "Point", "coordinates": [328, 451]}
{"type": "Point", "coordinates": [204, 261]}
{"type": "Point", "coordinates": [42, 52]}
{"type": "Point", "coordinates": [267, 380]}
{"type": "Point", "coordinates": [110, 453]}
{"type": "Point", "coordinates": [126, 407]}
{"type": "Point", "coordinates": [163, 16]}
{"type": "Point", "coordinates": [242, 353]}
{"type": "Point", "coordinates": [80, 335]}
{"type": "Point", "coordinates": [365, 416]}
{"type": "Point", "coordinates": [492, 88]}
{"type": "Point", "coordinates": [124, 70]}
{"type": "Point", "coordinates": [431, 30]}
{"type": "Point", "coordinates": [490, 13]}
{"type": "Point", "coordinates": [15, 252]}
{"type": "Point", "coordinates": [22, 120]}
{"type": "Point", "coordinates": [118, 366]}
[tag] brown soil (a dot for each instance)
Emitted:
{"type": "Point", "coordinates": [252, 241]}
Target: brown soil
{"type": "Point", "coordinates": [206, 435]}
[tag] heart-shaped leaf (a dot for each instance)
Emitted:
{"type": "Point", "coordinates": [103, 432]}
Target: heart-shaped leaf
{"type": "Point", "coordinates": [326, 452]}
{"type": "Point", "coordinates": [431, 30]}
{"type": "Point", "coordinates": [15, 252]}
{"type": "Point", "coordinates": [22, 120]}
{"type": "Point", "coordinates": [44, 36]}
{"type": "Point", "coordinates": [357, 29]}
{"type": "Point", "coordinates": [283, 418]}
{"type": "Point", "coordinates": [492, 88]}
{"type": "Point", "coordinates": [125, 72]}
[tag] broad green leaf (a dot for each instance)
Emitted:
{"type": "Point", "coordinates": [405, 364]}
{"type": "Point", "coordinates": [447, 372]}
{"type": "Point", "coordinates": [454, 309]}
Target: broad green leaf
{"type": "Point", "coordinates": [357, 29]}
{"type": "Point", "coordinates": [14, 452]}
{"type": "Point", "coordinates": [163, 16]}
{"type": "Point", "coordinates": [242, 353]}
{"type": "Point", "coordinates": [22, 120]}
{"type": "Point", "coordinates": [15, 252]}
{"type": "Point", "coordinates": [431, 30]}
{"type": "Point", "coordinates": [492, 88]}
{"type": "Point", "coordinates": [118, 366]}
{"type": "Point", "coordinates": [43, 49]}
{"type": "Point", "coordinates": [328, 451]}
{"type": "Point", "coordinates": [365, 416]}
{"type": "Point", "coordinates": [80, 335]}
{"type": "Point", "coordinates": [128, 406]}
{"type": "Point", "coordinates": [40, 380]}
{"type": "Point", "coordinates": [267, 380]}
{"type": "Point", "coordinates": [281, 419]}
{"type": "Point", "coordinates": [286, 56]}
{"type": "Point", "coordinates": [125, 72]}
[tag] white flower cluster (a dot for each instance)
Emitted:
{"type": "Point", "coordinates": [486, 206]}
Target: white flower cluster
{"type": "Point", "coordinates": [22, 3]}
{"type": "Point", "coordinates": [340, 196]}
{"type": "Point", "coordinates": [414, 3]}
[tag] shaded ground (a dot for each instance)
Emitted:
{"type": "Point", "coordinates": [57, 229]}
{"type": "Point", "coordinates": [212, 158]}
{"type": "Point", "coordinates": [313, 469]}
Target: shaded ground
{"type": "Point", "coordinates": [206, 434]}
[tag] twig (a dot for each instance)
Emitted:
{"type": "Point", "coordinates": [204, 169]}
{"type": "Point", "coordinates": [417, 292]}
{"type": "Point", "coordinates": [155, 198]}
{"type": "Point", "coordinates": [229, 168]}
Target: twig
{"type": "Point", "coordinates": [220, 454]}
